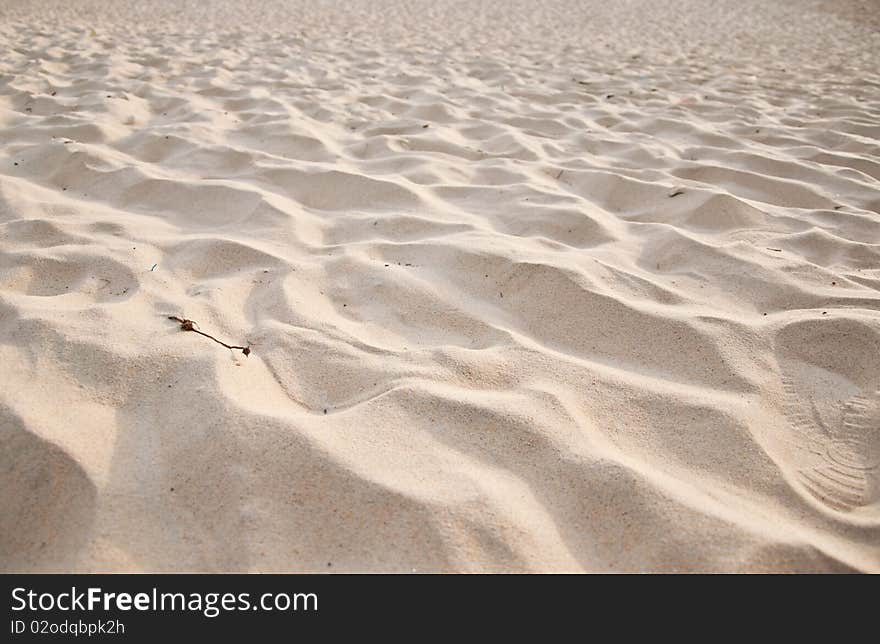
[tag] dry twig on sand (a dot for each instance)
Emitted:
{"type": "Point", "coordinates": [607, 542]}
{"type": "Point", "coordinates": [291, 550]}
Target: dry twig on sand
{"type": "Point", "coordinates": [189, 325]}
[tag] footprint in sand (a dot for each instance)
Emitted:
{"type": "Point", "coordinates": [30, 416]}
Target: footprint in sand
{"type": "Point", "coordinates": [846, 455]}
{"type": "Point", "coordinates": [831, 378]}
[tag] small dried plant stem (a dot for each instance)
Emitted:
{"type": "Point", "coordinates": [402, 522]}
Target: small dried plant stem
{"type": "Point", "coordinates": [189, 325]}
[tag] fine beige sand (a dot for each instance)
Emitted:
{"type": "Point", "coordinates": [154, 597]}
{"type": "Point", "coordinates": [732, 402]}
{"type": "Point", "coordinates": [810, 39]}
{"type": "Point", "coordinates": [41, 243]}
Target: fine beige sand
{"type": "Point", "coordinates": [527, 286]}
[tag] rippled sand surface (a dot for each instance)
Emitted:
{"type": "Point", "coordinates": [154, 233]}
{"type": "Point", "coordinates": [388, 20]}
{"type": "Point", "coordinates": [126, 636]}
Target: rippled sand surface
{"type": "Point", "coordinates": [557, 286]}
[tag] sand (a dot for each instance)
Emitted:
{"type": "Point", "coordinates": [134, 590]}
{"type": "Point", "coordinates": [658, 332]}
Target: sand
{"type": "Point", "coordinates": [557, 286]}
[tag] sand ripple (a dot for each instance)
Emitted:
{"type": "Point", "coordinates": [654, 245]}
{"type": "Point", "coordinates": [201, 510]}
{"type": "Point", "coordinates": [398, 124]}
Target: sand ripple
{"type": "Point", "coordinates": [556, 288]}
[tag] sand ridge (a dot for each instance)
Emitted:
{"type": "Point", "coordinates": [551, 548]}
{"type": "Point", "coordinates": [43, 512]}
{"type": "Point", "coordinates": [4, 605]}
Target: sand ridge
{"type": "Point", "coordinates": [552, 288]}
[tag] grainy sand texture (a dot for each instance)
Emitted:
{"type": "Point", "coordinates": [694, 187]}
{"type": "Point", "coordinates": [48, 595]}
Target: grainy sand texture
{"type": "Point", "coordinates": [527, 286]}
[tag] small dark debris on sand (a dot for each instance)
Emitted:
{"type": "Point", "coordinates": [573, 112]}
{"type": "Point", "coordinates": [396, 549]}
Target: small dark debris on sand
{"type": "Point", "coordinates": [189, 325]}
